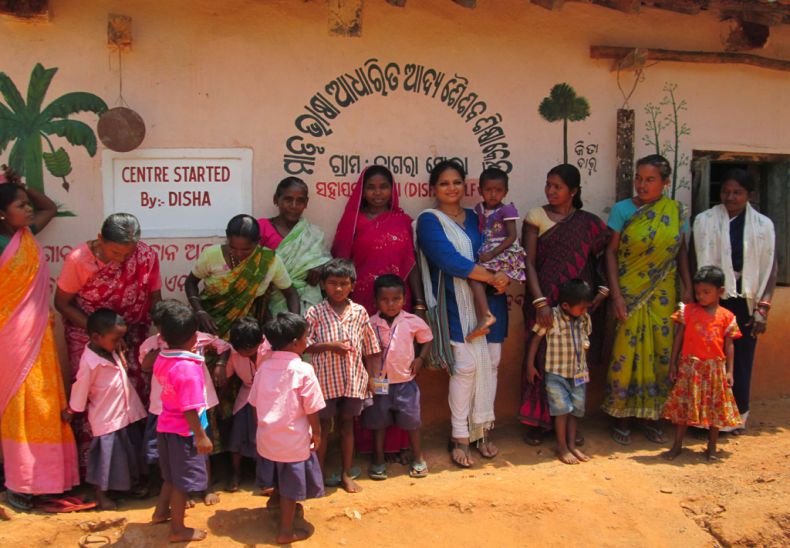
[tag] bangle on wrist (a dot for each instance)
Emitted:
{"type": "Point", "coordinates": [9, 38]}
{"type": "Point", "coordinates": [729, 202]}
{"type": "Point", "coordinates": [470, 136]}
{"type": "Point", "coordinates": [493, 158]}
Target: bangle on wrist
{"type": "Point", "coordinates": [539, 299]}
{"type": "Point", "coordinates": [764, 304]}
{"type": "Point", "coordinates": [419, 307]}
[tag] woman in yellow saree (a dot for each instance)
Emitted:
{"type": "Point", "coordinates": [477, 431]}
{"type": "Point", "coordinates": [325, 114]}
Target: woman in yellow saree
{"type": "Point", "coordinates": [644, 258]}
{"type": "Point", "coordinates": [39, 454]}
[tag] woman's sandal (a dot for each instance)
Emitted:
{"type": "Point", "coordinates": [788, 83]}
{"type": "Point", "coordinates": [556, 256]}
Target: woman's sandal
{"type": "Point", "coordinates": [19, 501]}
{"type": "Point", "coordinates": [483, 448]}
{"type": "Point", "coordinates": [621, 435]}
{"type": "Point", "coordinates": [653, 433]}
{"type": "Point", "coordinates": [454, 446]}
{"type": "Point", "coordinates": [378, 472]}
{"type": "Point", "coordinates": [418, 469]}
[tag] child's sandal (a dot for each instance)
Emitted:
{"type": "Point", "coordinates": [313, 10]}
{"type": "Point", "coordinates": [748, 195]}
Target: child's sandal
{"type": "Point", "coordinates": [418, 469]}
{"type": "Point", "coordinates": [377, 472]}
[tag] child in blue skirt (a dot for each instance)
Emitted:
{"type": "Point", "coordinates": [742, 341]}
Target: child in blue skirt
{"type": "Point", "coordinates": [113, 409]}
{"type": "Point", "coordinates": [287, 398]}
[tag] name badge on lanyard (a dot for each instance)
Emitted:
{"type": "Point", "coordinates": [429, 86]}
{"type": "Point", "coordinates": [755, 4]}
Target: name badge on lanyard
{"type": "Point", "coordinates": [381, 384]}
{"type": "Point", "coordinates": [582, 376]}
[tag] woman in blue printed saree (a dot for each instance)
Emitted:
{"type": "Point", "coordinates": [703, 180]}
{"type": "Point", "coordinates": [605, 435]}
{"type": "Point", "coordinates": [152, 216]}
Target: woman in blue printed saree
{"type": "Point", "coordinates": [645, 259]}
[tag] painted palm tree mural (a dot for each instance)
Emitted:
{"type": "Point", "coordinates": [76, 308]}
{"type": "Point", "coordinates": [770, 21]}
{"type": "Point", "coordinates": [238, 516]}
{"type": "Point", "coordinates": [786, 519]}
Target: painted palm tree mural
{"type": "Point", "coordinates": [563, 104]}
{"type": "Point", "coordinates": [28, 126]}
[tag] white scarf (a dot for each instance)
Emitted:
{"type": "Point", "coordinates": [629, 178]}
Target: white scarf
{"type": "Point", "coordinates": [712, 244]}
{"type": "Point", "coordinates": [482, 415]}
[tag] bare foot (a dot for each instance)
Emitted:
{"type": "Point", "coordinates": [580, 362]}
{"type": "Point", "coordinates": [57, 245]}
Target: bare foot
{"type": "Point", "coordinates": [482, 327]}
{"type": "Point", "coordinates": [274, 505]}
{"type": "Point", "coordinates": [710, 455]}
{"type": "Point", "coordinates": [103, 502]}
{"type": "Point", "coordinates": [156, 518]}
{"type": "Point", "coordinates": [211, 499]}
{"type": "Point", "coordinates": [672, 453]}
{"type": "Point", "coordinates": [188, 534]}
{"type": "Point", "coordinates": [233, 484]}
{"type": "Point", "coordinates": [567, 457]}
{"type": "Point", "coordinates": [191, 500]}
{"type": "Point", "coordinates": [296, 536]}
{"type": "Point", "coordinates": [348, 483]}
{"type": "Point", "coordinates": [3, 515]}
{"type": "Point", "coordinates": [579, 455]}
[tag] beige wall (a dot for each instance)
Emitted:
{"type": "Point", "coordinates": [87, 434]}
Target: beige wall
{"type": "Point", "coordinates": [238, 73]}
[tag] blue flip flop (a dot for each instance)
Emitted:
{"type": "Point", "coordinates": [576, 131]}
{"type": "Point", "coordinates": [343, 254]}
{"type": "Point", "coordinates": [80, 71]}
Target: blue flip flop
{"type": "Point", "coordinates": [335, 481]}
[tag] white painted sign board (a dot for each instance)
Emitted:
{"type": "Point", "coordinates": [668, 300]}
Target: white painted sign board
{"type": "Point", "coordinates": [179, 192]}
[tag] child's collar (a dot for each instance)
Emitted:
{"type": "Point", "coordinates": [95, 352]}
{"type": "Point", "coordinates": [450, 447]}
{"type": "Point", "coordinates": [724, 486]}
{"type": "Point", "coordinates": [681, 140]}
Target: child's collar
{"type": "Point", "coordinates": [178, 353]}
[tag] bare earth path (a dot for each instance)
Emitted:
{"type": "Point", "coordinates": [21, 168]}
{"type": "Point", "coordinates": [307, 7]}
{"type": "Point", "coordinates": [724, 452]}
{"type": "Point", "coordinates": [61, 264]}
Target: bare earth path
{"type": "Point", "coordinates": [623, 497]}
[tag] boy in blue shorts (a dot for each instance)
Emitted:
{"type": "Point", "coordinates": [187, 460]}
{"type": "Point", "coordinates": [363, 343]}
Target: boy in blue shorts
{"type": "Point", "coordinates": [567, 342]}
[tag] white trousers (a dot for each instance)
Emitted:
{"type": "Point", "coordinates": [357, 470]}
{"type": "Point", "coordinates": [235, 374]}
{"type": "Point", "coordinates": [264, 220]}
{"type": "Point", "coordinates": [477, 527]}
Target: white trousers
{"type": "Point", "coordinates": [462, 384]}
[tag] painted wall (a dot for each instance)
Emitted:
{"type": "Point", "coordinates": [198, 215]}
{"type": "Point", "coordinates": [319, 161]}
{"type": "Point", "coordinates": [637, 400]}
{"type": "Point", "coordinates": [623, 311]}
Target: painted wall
{"type": "Point", "coordinates": [240, 73]}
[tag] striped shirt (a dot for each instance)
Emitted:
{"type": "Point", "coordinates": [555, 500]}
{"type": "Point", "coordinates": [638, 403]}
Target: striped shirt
{"type": "Point", "coordinates": [342, 375]}
{"type": "Point", "coordinates": [567, 341]}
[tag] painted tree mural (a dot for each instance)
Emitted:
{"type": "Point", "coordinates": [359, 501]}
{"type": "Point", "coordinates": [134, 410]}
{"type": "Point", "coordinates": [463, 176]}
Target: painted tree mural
{"type": "Point", "coordinates": [657, 122]}
{"type": "Point", "coordinates": [563, 104]}
{"type": "Point", "coordinates": [26, 124]}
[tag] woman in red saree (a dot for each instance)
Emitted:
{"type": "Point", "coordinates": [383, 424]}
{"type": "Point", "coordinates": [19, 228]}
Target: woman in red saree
{"type": "Point", "coordinates": [115, 271]}
{"type": "Point", "coordinates": [562, 242]}
{"type": "Point", "coordinates": [39, 455]}
{"type": "Point", "coordinates": [376, 234]}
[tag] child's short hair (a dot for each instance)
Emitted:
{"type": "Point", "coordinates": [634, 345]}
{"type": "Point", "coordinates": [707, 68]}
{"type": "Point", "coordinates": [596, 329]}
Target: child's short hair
{"type": "Point", "coordinates": [712, 275]}
{"type": "Point", "coordinates": [178, 324]}
{"type": "Point", "coordinates": [245, 333]}
{"type": "Point", "coordinates": [388, 281]}
{"type": "Point", "coordinates": [339, 268]}
{"type": "Point", "coordinates": [493, 174]}
{"type": "Point", "coordinates": [575, 291]}
{"type": "Point", "coordinates": [103, 320]}
{"type": "Point", "coordinates": [284, 329]}
{"type": "Point", "coordinates": [159, 308]}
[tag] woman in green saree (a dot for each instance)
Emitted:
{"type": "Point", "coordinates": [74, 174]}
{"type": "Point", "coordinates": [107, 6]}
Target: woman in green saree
{"type": "Point", "coordinates": [645, 259]}
{"type": "Point", "coordinates": [298, 243]}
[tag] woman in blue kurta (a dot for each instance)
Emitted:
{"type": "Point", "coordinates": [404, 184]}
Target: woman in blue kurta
{"type": "Point", "coordinates": [448, 238]}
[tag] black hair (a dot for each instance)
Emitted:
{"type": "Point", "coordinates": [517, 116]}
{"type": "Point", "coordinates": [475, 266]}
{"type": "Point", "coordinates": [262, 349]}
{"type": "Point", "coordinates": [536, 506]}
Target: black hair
{"type": "Point", "coordinates": [284, 329]}
{"type": "Point", "coordinates": [443, 166]}
{"type": "Point", "coordinates": [374, 170]}
{"type": "Point", "coordinates": [178, 324]}
{"type": "Point", "coordinates": [103, 320]}
{"type": "Point", "coordinates": [712, 275]}
{"type": "Point", "coordinates": [740, 176]}
{"type": "Point", "coordinates": [290, 182]}
{"type": "Point", "coordinates": [244, 226]}
{"type": "Point", "coordinates": [388, 281]}
{"type": "Point", "coordinates": [339, 268]}
{"type": "Point", "coordinates": [121, 228]}
{"type": "Point", "coordinates": [574, 292]}
{"type": "Point", "coordinates": [159, 309]}
{"type": "Point", "coordinates": [573, 180]}
{"type": "Point", "coordinates": [245, 333]}
{"type": "Point", "coordinates": [493, 174]}
{"type": "Point", "coordinates": [9, 189]}
{"type": "Point", "coordinates": [658, 162]}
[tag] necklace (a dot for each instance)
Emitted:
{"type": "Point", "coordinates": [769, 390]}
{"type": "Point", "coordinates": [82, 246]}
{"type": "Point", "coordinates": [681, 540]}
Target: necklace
{"type": "Point", "coordinates": [458, 215]}
{"type": "Point", "coordinates": [233, 261]}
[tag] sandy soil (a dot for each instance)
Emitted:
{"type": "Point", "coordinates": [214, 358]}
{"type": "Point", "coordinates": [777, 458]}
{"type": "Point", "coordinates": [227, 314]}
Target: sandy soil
{"type": "Point", "coordinates": [623, 497]}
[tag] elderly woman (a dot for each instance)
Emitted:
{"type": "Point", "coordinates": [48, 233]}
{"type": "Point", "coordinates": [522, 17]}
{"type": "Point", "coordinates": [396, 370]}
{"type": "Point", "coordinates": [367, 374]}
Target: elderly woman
{"type": "Point", "coordinates": [645, 260]}
{"type": "Point", "coordinates": [563, 242]}
{"type": "Point", "coordinates": [376, 234]}
{"type": "Point", "coordinates": [448, 238]}
{"type": "Point", "coordinates": [39, 455]}
{"type": "Point", "coordinates": [297, 242]}
{"type": "Point", "coordinates": [740, 241]}
{"type": "Point", "coordinates": [235, 276]}
{"type": "Point", "coordinates": [116, 271]}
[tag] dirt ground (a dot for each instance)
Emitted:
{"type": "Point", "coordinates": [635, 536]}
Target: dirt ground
{"type": "Point", "coordinates": [623, 497]}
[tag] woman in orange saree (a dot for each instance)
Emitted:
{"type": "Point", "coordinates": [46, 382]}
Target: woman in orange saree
{"type": "Point", "coordinates": [39, 453]}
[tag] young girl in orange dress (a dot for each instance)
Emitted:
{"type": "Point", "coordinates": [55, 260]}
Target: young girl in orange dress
{"type": "Point", "coordinates": [702, 393]}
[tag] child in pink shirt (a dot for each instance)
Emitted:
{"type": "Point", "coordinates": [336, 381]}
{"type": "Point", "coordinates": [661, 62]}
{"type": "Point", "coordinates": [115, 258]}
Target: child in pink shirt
{"type": "Point", "coordinates": [182, 440]}
{"type": "Point", "coordinates": [396, 396]}
{"type": "Point", "coordinates": [287, 398]}
{"type": "Point", "coordinates": [249, 350]}
{"type": "Point", "coordinates": [113, 407]}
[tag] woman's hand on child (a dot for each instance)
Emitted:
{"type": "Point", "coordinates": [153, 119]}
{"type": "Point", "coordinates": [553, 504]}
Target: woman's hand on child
{"type": "Point", "coordinates": [544, 317]}
{"type": "Point", "coordinates": [206, 322]}
{"type": "Point", "coordinates": [500, 281]}
{"type": "Point", "coordinates": [485, 257]}
{"type": "Point", "coordinates": [688, 296]}
{"type": "Point", "coordinates": [314, 276]}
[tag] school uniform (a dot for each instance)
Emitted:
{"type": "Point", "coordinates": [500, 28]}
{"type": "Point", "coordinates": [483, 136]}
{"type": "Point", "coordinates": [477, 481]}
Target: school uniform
{"type": "Point", "coordinates": [103, 387]}
{"type": "Point", "coordinates": [285, 391]}
{"type": "Point", "coordinates": [181, 376]}
{"type": "Point", "coordinates": [401, 404]}
{"type": "Point", "coordinates": [242, 432]}
{"type": "Point", "coordinates": [154, 342]}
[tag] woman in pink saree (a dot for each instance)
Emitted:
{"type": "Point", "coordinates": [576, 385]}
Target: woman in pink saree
{"type": "Point", "coordinates": [115, 271]}
{"type": "Point", "coordinates": [376, 234]}
{"type": "Point", "coordinates": [39, 455]}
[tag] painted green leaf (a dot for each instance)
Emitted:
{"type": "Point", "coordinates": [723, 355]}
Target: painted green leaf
{"type": "Point", "coordinates": [75, 132]}
{"type": "Point", "coordinates": [11, 94]}
{"type": "Point", "coordinates": [72, 103]}
{"type": "Point", "coordinates": [40, 79]}
{"type": "Point", "coordinates": [58, 163]}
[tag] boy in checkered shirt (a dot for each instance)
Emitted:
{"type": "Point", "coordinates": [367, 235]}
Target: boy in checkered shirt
{"type": "Point", "coordinates": [567, 342]}
{"type": "Point", "coordinates": [340, 338]}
